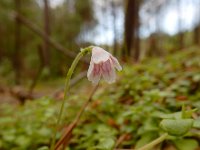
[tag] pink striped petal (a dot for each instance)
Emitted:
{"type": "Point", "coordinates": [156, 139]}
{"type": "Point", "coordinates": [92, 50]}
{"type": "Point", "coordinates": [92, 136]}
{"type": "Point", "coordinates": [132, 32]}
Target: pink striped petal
{"type": "Point", "coordinates": [102, 64]}
{"type": "Point", "coordinates": [95, 74]}
{"type": "Point", "coordinates": [116, 63]}
{"type": "Point", "coordinates": [108, 72]}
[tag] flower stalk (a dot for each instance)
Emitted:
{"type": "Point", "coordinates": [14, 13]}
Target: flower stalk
{"type": "Point", "coordinates": [66, 91]}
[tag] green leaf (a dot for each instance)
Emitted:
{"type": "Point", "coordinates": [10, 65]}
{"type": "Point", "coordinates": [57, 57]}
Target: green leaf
{"type": "Point", "coordinates": [176, 115]}
{"type": "Point", "coordinates": [186, 144]}
{"type": "Point", "coordinates": [44, 132]}
{"type": "Point", "coordinates": [196, 78]}
{"type": "Point", "coordinates": [23, 141]}
{"type": "Point", "coordinates": [106, 143]}
{"type": "Point", "coordinates": [9, 137]}
{"type": "Point", "coordinates": [146, 138]}
{"type": "Point", "coordinates": [196, 123]}
{"type": "Point", "coordinates": [43, 148]}
{"type": "Point", "coordinates": [177, 127]}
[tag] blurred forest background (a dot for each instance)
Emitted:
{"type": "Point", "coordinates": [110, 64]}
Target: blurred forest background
{"type": "Point", "coordinates": [42, 36]}
{"type": "Point", "coordinates": [156, 41]}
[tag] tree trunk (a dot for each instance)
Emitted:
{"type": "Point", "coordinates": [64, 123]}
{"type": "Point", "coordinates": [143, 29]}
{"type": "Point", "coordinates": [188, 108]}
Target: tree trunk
{"type": "Point", "coordinates": [46, 51]}
{"type": "Point", "coordinates": [132, 40]}
{"type": "Point", "coordinates": [196, 33]}
{"type": "Point", "coordinates": [16, 55]}
{"type": "Point", "coordinates": [113, 6]}
{"type": "Point", "coordinates": [129, 27]}
{"type": "Point", "coordinates": [1, 54]}
{"type": "Point", "coordinates": [181, 33]}
{"type": "Point", "coordinates": [136, 43]}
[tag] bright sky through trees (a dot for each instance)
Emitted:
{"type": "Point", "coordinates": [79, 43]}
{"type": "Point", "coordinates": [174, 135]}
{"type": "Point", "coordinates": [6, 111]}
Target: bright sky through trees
{"type": "Point", "coordinates": [169, 22]}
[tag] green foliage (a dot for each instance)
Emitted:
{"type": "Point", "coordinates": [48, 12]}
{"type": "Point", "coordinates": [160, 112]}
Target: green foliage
{"type": "Point", "coordinates": [186, 144]}
{"type": "Point", "coordinates": [159, 91]}
{"type": "Point", "coordinates": [65, 28]}
{"type": "Point", "coordinates": [95, 136]}
{"type": "Point", "coordinates": [145, 138]}
{"type": "Point", "coordinates": [28, 126]}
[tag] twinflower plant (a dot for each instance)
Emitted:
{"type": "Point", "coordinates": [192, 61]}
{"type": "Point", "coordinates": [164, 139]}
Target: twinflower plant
{"type": "Point", "coordinates": [102, 64]}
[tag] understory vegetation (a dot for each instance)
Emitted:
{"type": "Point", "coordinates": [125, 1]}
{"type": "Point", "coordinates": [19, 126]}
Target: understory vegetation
{"type": "Point", "coordinates": [157, 96]}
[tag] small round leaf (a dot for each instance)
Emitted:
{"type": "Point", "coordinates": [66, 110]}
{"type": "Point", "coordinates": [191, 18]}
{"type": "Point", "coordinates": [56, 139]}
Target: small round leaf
{"type": "Point", "coordinates": [176, 127]}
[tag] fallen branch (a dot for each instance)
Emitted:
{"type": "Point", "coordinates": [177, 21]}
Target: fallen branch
{"type": "Point", "coordinates": [51, 42]}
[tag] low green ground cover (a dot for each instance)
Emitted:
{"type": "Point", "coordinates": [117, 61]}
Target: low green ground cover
{"type": "Point", "coordinates": [149, 99]}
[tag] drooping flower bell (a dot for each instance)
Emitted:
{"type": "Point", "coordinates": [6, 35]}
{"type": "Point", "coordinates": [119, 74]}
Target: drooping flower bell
{"type": "Point", "coordinates": [102, 64]}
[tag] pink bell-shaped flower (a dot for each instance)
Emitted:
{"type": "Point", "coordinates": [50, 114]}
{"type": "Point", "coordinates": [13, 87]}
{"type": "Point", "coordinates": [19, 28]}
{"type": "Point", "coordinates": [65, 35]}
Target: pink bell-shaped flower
{"type": "Point", "coordinates": [102, 64]}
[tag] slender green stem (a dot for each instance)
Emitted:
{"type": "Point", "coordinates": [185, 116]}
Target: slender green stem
{"type": "Point", "coordinates": [66, 91]}
{"type": "Point", "coordinates": [153, 143]}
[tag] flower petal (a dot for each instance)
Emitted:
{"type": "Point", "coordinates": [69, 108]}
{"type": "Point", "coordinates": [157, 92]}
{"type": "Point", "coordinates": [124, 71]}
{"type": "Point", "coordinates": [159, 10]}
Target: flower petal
{"type": "Point", "coordinates": [91, 67]}
{"type": "Point", "coordinates": [94, 73]}
{"type": "Point", "coordinates": [108, 72]}
{"type": "Point", "coordinates": [99, 55]}
{"type": "Point", "coordinates": [116, 63]}
{"type": "Point", "coordinates": [102, 63]}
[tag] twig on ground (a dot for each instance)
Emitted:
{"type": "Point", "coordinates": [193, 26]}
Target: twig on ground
{"type": "Point", "coordinates": [121, 139]}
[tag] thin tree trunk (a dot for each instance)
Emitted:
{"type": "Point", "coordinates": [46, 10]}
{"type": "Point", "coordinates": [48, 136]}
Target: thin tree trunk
{"type": "Point", "coordinates": [1, 54]}
{"type": "Point", "coordinates": [39, 72]}
{"type": "Point", "coordinates": [156, 38]}
{"type": "Point", "coordinates": [43, 51]}
{"type": "Point", "coordinates": [46, 50]}
{"type": "Point", "coordinates": [132, 40]}
{"type": "Point", "coordinates": [196, 37]}
{"type": "Point", "coordinates": [136, 35]}
{"type": "Point", "coordinates": [181, 34]}
{"type": "Point", "coordinates": [153, 45]}
{"type": "Point", "coordinates": [129, 28]}
{"type": "Point", "coordinates": [114, 27]}
{"type": "Point", "coordinates": [16, 55]}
